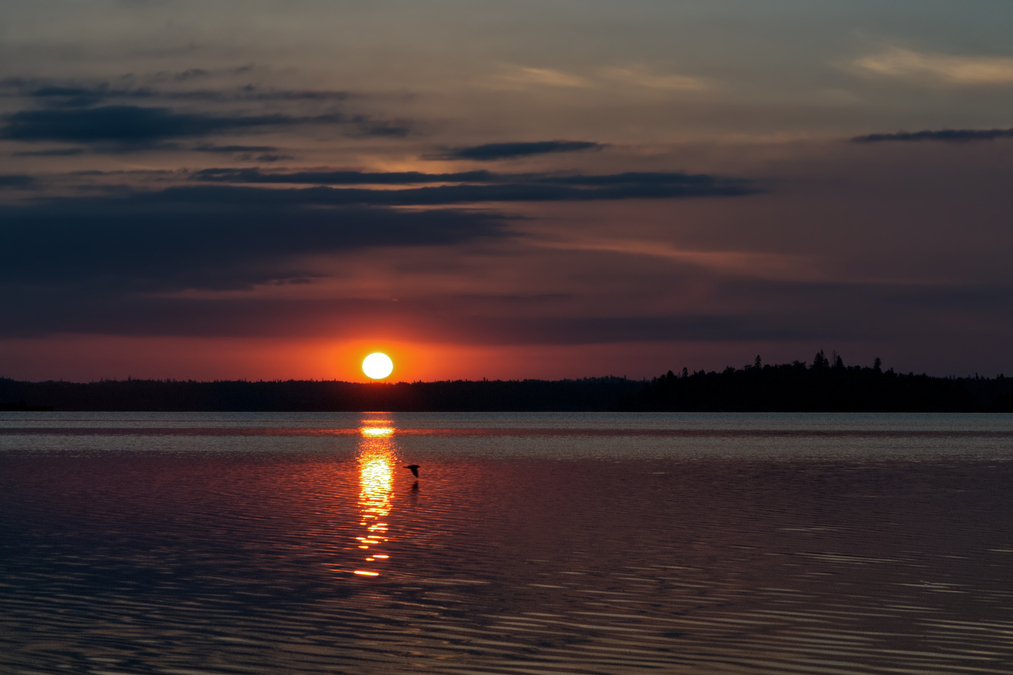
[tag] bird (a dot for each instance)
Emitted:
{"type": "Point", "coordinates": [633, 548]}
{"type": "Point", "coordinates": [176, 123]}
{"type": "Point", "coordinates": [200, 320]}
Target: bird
{"type": "Point", "coordinates": [414, 468]}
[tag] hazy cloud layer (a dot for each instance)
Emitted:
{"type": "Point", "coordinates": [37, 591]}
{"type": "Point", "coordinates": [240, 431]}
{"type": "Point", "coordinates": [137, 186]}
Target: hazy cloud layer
{"type": "Point", "coordinates": [436, 319]}
{"type": "Point", "coordinates": [950, 135]}
{"type": "Point", "coordinates": [109, 309]}
{"type": "Point", "coordinates": [169, 241]}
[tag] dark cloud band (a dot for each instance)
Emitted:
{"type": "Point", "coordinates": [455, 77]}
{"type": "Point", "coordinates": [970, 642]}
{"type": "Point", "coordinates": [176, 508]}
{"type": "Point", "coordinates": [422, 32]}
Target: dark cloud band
{"type": "Point", "coordinates": [231, 149]}
{"type": "Point", "coordinates": [946, 135]}
{"type": "Point", "coordinates": [143, 125]}
{"type": "Point", "coordinates": [445, 195]}
{"type": "Point", "coordinates": [71, 94]}
{"type": "Point", "coordinates": [494, 151]}
{"type": "Point", "coordinates": [230, 175]}
{"type": "Point", "coordinates": [166, 242]}
{"type": "Point", "coordinates": [486, 186]}
{"type": "Point", "coordinates": [16, 181]}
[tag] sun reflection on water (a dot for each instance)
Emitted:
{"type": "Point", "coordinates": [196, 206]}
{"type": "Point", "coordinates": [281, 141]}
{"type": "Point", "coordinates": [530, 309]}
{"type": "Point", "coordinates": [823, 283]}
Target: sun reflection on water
{"type": "Point", "coordinates": [377, 459]}
{"type": "Point", "coordinates": [377, 432]}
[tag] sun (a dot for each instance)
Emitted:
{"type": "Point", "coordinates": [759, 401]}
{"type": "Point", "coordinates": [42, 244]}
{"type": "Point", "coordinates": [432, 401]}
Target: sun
{"type": "Point", "coordinates": [377, 366]}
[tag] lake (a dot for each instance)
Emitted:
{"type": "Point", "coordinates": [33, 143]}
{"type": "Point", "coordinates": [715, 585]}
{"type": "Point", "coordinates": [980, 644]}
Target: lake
{"type": "Point", "coordinates": [530, 543]}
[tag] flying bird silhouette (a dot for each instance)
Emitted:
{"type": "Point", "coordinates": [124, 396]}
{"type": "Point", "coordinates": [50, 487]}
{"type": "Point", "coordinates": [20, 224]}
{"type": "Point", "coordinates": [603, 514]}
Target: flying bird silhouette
{"type": "Point", "coordinates": [414, 468]}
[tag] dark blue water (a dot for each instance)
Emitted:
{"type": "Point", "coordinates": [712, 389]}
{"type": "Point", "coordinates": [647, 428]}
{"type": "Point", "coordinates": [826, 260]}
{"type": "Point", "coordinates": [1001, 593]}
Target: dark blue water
{"type": "Point", "coordinates": [177, 544]}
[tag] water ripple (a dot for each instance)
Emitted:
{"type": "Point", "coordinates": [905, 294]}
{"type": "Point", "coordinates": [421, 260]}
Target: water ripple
{"type": "Point", "coordinates": [180, 558]}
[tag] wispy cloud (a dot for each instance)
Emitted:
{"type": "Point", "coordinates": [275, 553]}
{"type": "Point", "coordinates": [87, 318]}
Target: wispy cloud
{"type": "Point", "coordinates": [962, 70]}
{"type": "Point", "coordinates": [635, 76]}
{"type": "Point", "coordinates": [772, 266]}
{"type": "Point", "coordinates": [521, 76]}
{"type": "Point", "coordinates": [643, 77]}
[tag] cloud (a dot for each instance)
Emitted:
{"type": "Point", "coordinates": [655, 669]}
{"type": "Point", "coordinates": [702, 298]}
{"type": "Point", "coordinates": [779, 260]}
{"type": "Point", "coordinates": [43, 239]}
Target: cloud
{"type": "Point", "coordinates": [228, 149]}
{"type": "Point", "coordinates": [762, 309]}
{"type": "Point", "coordinates": [230, 175]}
{"type": "Point", "coordinates": [776, 266]}
{"type": "Point", "coordinates": [72, 96]}
{"type": "Point", "coordinates": [641, 178]}
{"type": "Point", "coordinates": [171, 241]}
{"type": "Point", "coordinates": [493, 151]}
{"type": "Point", "coordinates": [125, 124]}
{"type": "Point", "coordinates": [612, 329]}
{"type": "Point", "coordinates": [472, 187]}
{"type": "Point", "coordinates": [467, 194]}
{"type": "Point", "coordinates": [190, 74]}
{"type": "Point", "coordinates": [641, 77]}
{"type": "Point", "coordinates": [545, 77]}
{"type": "Point", "coordinates": [636, 76]}
{"type": "Point", "coordinates": [135, 125]}
{"type": "Point", "coordinates": [245, 152]}
{"type": "Point", "coordinates": [367, 128]}
{"type": "Point", "coordinates": [963, 70]}
{"type": "Point", "coordinates": [105, 263]}
{"type": "Point", "coordinates": [54, 152]}
{"type": "Point", "coordinates": [949, 135]}
{"type": "Point", "coordinates": [73, 93]}
{"type": "Point", "coordinates": [16, 181]}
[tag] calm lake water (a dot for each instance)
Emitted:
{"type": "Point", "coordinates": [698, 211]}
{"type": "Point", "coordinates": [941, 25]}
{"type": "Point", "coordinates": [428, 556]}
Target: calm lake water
{"type": "Point", "coordinates": [530, 543]}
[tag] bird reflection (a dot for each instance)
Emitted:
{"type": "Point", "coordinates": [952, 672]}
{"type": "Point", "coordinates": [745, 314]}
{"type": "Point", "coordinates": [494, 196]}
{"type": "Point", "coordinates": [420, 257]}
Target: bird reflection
{"type": "Point", "coordinates": [376, 458]}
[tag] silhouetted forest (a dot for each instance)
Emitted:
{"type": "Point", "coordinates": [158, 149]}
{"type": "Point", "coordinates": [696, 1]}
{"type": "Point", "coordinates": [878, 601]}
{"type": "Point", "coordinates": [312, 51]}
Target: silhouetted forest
{"type": "Point", "coordinates": [825, 385]}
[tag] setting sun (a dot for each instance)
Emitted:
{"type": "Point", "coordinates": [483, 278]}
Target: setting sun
{"type": "Point", "coordinates": [377, 366]}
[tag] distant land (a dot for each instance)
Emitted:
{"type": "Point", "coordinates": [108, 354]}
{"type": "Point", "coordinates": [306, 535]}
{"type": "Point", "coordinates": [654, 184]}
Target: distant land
{"type": "Point", "coordinates": [822, 386]}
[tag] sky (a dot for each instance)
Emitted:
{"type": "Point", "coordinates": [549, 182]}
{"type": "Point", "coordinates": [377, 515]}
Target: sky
{"type": "Point", "coordinates": [509, 190]}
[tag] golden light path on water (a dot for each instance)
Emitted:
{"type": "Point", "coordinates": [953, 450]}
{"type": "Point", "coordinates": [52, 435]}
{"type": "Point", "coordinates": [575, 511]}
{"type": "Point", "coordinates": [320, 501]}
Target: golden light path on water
{"type": "Point", "coordinates": [376, 459]}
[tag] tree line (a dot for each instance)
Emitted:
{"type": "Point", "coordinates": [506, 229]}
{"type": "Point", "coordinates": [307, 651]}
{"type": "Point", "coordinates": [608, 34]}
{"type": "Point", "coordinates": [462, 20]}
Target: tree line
{"type": "Point", "coordinates": [825, 385]}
